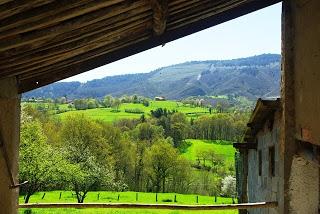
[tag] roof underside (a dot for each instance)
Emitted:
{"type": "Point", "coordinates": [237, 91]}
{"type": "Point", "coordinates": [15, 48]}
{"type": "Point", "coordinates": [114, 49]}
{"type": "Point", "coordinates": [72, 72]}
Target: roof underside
{"type": "Point", "coordinates": [43, 41]}
{"type": "Point", "coordinates": [263, 111]}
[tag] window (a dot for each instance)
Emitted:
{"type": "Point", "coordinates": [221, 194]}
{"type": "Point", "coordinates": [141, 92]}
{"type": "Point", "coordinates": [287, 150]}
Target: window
{"type": "Point", "coordinates": [260, 162]}
{"type": "Point", "coordinates": [271, 161]}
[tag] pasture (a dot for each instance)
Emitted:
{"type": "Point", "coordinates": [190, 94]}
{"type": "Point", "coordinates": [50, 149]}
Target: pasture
{"type": "Point", "coordinates": [124, 197]}
{"type": "Point", "coordinates": [109, 115]}
{"type": "Point", "coordinates": [222, 148]}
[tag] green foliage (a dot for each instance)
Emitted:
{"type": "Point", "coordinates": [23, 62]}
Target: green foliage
{"type": "Point", "coordinates": [39, 164]}
{"type": "Point", "coordinates": [87, 150]}
{"type": "Point", "coordinates": [160, 161]}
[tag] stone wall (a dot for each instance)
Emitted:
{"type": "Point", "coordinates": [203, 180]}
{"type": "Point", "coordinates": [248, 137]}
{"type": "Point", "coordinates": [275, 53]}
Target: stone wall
{"type": "Point", "coordinates": [265, 187]}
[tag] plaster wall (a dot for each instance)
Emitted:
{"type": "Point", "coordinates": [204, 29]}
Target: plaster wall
{"type": "Point", "coordinates": [10, 132]}
{"type": "Point", "coordinates": [299, 178]}
{"type": "Point", "coordinates": [306, 19]}
{"type": "Point", "coordinates": [264, 187]}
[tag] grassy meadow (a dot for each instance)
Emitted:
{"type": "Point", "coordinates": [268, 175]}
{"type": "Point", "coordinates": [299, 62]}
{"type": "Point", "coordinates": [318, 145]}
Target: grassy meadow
{"type": "Point", "coordinates": [108, 115]}
{"type": "Point", "coordinates": [124, 197]}
{"type": "Point", "coordinates": [120, 211]}
{"type": "Point", "coordinates": [222, 148]}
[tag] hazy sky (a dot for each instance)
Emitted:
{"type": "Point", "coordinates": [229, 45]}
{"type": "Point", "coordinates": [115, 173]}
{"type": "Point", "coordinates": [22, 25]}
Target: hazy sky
{"type": "Point", "coordinates": [253, 34]}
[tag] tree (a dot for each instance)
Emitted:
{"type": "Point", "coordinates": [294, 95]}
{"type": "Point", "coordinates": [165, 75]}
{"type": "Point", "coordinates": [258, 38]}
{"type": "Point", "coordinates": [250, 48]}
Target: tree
{"type": "Point", "coordinates": [160, 159]}
{"type": "Point", "coordinates": [89, 152]}
{"type": "Point", "coordinates": [107, 101]}
{"type": "Point", "coordinates": [116, 104]}
{"type": "Point", "coordinates": [39, 163]}
{"type": "Point", "coordinates": [229, 186]}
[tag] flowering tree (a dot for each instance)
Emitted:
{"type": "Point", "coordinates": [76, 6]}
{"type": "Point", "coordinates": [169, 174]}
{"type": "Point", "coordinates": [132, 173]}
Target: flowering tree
{"type": "Point", "coordinates": [229, 186]}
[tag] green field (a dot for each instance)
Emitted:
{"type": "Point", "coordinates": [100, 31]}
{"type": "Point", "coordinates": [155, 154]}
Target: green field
{"type": "Point", "coordinates": [222, 148]}
{"type": "Point", "coordinates": [120, 211]}
{"type": "Point", "coordinates": [106, 114]}
{"type": "Point", "coordinates": [124, 197]}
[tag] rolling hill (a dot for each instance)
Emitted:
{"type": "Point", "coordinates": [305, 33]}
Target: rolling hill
{"type": "Point", "coordinates": [252, 77]}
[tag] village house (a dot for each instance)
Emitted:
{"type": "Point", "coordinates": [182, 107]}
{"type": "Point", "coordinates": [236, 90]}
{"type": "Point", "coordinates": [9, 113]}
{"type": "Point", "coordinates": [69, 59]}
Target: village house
{"type": "Point", "coordinates": [160, 98]}
{"type": "Point", "coordinates": [45, 41]}
{"type": "Point", "coordinates": [258, 162]}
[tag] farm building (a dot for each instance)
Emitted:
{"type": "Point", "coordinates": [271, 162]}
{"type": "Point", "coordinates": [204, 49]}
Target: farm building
{"type": "Point", "coordinates": [160, 98]}
{"type": "Point", "coordinates": [258, 168]}
{"type": "Point", "coordinates": [44, 41]}
{"type": "Point", "coordinates": [259, 155]}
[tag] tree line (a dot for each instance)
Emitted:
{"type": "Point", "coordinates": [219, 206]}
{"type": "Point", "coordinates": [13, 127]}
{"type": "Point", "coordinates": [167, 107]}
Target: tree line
{"type": "Point", "coordinates": [145, 154]}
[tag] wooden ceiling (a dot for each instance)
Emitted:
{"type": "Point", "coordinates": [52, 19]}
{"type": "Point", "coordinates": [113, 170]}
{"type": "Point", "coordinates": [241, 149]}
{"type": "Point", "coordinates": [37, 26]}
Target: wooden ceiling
{"type": "Point", "coordinates": [43, 41]}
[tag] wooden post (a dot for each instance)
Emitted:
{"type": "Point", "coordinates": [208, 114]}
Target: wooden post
{"type": "Point", "coordinates": [118, 197]}
{"type": "Point", "coordinates": [156, 197]}
{"type": "Point", "coordinates": [98, 196]}
{"type": "Point", "coordinates": [197, 199]}
{"type": "Point", "coordinates": [9, 136]}
{"type": "Point", "coordinates": [136, 196]}
{"type": "Point", "coordinates": [59, 195]}
{"type": "Point", "coordinates": [175, 198]}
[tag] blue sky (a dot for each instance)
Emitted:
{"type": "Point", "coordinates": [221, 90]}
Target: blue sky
{"type": "Point", "coordinates": [253, 34]}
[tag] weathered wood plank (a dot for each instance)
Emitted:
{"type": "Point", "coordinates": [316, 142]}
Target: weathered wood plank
{"type": "Point", "coordinates": [13, 7]}
{"type": "Point", "coordinates": [86, 46]}
{"type": "Point", "coordinates": [153, 206]}
{"type": "Point", "coordinates": [202, 12]}
{"type": "Point", "coordinates": [37, 14]}
{"type": "Point", "coordinates": [75, 34]}
{"type": "Point", "coordinates": [106, 29]}
{"type": "Point", "coordinates": [44, 35]}
{"type": "Point", "coordinates": [106, 55]}
{"type": "Point", "coordinates": [49, 16]}
{"type": "Point", "coordinates": [160, 14]}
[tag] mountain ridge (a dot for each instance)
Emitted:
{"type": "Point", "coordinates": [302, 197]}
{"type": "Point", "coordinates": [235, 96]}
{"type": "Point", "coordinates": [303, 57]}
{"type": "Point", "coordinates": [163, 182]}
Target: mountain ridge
{"type": "Point", "coordinates": [252, 77]}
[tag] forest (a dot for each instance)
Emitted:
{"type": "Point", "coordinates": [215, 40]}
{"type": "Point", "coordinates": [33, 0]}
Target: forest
{"type": "Point", "coordinates": [151, 153]}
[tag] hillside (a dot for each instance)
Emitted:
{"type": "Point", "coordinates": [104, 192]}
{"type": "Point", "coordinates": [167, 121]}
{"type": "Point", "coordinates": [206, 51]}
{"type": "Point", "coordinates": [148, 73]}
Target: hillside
{"type": "Point", "coordinates": [252, 77]}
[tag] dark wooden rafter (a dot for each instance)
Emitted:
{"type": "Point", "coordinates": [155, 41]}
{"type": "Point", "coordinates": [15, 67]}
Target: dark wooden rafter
{"type": "Point", "coordinates": [160, 14]}
{"type": "Point", "coordinates": [125, 14]}
{"type": "Point", "coordinates": [43, 41]}
{"type": "Point", "coordinates": [43, 35]}
{"type": "Point", "coordinates": [83, 52]}
{"type": "Point", "coordinates": [9, 8]}
{"type": "Point", "coordinates": [75, 45]}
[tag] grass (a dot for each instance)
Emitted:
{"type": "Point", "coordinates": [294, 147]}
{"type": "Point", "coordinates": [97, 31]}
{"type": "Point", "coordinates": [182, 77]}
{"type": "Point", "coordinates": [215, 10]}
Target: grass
{"type": "Point", "coordinates": [222, 148]}
{"type": "Point", "coordinates": [121, 211]}
{"type": "Point", "coordinates": [107, 115]}
{"type": "Point", "coordinates": [103, 114]}
{"type": "Point", "coordinates": [125, 197]}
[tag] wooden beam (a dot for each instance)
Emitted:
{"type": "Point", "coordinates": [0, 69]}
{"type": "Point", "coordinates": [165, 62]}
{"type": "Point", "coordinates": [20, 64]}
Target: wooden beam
{"type": "Point", "coordinates": [110, 28]}
{"type": "Point", "coordinates": [160, 14]}
{"type": "Point", "coordinates": [30, 83]}
{"type": "Point", "coordinates": [67, 65]}
{"type": "Point", "coordinates": [153, 206]}
{"type": "Point", "coordinates": [43, 36]}
{"type": "Point", "coordinates": [56, 12]}
{"type": "Point", "coordinates": [130, 30]}
{"type": "Point", "coordinates": [11, 8]}
{"type": "Point", "coordinates": [33, 18]}
{"type": "Point", "coordinates": [131, 11]}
